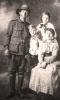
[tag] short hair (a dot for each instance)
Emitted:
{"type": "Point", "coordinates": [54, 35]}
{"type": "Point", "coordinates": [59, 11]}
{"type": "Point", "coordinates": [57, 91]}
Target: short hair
{"type": "Point", "coordinates": [33, 26]}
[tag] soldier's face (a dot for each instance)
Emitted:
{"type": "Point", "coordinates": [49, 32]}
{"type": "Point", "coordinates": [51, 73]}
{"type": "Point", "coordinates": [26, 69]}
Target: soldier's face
{"type": "Point", "coordinates": [23, 14]}
{"type": "Point", "coordinates": [45, 18]}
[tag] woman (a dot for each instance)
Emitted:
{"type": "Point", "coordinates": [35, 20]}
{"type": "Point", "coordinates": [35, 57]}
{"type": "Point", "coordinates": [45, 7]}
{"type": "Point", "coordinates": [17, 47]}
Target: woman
{"type": "Point", "coordinates": [44, 76]}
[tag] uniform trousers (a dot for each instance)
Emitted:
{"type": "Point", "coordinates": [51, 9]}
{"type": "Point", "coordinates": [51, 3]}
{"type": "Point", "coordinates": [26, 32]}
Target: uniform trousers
{"type": "Point", "coordinates": [16, 64]}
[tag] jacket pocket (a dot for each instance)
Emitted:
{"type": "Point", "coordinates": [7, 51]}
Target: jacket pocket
{"type": "Point", "coordinates": [14, 48]}
{"type": "Point", "coordinates": [21, 48]}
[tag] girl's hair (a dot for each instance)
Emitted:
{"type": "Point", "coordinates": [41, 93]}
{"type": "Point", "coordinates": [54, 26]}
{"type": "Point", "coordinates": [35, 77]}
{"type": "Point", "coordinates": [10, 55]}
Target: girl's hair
{"type": "Point", "coordinates": [46, 13]}
{"type": "Point", "coordinates": [33, 26]}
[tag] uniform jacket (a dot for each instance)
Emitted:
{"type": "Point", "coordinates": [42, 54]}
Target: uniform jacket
{"type": "Point", "coordinates": [18, 37]}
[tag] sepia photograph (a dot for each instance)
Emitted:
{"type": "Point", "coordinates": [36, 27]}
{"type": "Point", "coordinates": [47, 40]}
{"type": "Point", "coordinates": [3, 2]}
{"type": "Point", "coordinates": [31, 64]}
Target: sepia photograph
{"type": "Point", "coordinates": [29, 49]}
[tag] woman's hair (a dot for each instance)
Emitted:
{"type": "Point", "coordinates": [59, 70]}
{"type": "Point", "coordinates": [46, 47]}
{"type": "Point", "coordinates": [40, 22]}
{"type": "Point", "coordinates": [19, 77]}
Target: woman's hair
{"type": "Point", "coordinates": [51, 30]}
{"type": "Point", "coordinates": [46, 13]}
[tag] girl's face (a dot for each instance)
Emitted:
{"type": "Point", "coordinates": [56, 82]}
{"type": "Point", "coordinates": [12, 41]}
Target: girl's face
{"type": "Point", "coordinates": [45, 18]}
{"type": "Point", "coordinates": [32, 30]}
{"type": "Point", "coordinates": [49, 35]}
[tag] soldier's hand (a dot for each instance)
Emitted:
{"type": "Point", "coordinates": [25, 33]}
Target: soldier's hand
{"type": "Point", "coordinates": [26, 56]}
{"type": "Point", "coordinates": [6, 52]}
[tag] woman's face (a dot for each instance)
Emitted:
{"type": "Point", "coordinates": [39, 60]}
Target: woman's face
{"type": "Point", "coordinates": [49, 35]}
{"type": "Point", "coordinates": [45, 18]}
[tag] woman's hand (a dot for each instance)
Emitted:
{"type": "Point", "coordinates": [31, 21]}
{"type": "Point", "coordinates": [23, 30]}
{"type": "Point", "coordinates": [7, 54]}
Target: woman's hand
{"type": "Point", "coordinates": [43, 65]}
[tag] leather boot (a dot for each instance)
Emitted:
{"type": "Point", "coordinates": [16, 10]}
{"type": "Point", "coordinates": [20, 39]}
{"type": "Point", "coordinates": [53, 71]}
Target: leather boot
{"type": "Point", "coordinates": [19, 89]}
{"type": "Point", "coordinates": [12, 87]}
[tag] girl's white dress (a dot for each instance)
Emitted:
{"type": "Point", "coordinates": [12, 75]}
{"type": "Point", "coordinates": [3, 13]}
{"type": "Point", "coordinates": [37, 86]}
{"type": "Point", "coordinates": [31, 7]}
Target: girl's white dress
{"type": "Point", "coordinates": [45, 79]}
{"type": "Point", "coordinates": [33, 45]}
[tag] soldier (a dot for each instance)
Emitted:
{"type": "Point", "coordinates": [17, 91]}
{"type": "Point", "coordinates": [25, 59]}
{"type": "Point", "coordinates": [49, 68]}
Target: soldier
{"type": "Point", "coordinates": [16, 47]}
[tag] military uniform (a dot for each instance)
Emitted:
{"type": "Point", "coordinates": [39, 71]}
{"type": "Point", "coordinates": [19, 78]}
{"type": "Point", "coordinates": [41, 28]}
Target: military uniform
{"type": "Point", "coordinates": [17, 42]}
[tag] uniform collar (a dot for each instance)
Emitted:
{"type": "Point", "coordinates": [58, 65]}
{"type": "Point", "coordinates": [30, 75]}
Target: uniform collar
{"type": "Point", "coordinates": [22, 21]}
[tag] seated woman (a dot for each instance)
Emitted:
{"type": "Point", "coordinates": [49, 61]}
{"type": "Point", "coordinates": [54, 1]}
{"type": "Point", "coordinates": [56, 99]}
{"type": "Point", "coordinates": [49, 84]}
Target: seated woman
{"type": "Point", "coordinates": [44, 76]}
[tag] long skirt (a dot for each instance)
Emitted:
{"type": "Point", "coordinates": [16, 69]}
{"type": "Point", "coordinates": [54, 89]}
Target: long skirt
{"type": "Point", "coordinates": [44, 80]}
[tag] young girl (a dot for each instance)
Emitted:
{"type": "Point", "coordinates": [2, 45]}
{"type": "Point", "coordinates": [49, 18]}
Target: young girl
{"type": "Point", "coordinates": [33, 40]}
{"type": "Point", "coordinates": [45, 23]}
